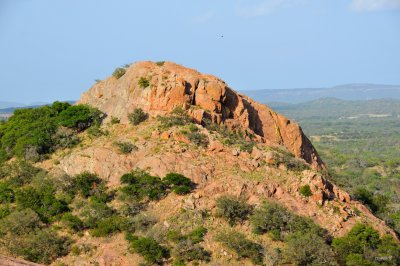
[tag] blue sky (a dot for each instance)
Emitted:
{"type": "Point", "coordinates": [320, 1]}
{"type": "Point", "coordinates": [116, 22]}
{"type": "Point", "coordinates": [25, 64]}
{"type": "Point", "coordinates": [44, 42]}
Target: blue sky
{"type": "Point", "coordinates": [54, 50]}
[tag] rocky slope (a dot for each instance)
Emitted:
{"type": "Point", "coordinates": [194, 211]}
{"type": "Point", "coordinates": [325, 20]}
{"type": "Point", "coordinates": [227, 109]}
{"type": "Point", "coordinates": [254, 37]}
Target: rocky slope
{"type": "Point", "coordinates": [280, 163]}
{"type": "Point", "coordinates": [207, 97]}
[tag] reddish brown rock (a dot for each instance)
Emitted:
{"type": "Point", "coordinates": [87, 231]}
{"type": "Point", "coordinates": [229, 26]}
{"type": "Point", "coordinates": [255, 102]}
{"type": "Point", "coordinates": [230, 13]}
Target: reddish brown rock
{"type": "Point", "coordinates": [173, 85]}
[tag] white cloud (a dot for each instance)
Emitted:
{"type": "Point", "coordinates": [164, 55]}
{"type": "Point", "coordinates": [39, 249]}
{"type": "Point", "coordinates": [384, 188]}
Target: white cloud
{"type": "Point", "coordinates": [202, 18]}
{"type": "Point", "coordinates": [374, 5]}
{"type": "Point", "coordinates": [264, 7]}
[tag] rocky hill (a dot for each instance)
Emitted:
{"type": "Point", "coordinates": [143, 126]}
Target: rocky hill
{"type": "Point", "coordinates": [199, 174]}
{"type": "Point", "coordinates": [205, 96]}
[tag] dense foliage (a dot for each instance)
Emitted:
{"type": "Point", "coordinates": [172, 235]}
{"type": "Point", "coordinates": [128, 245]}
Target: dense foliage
{"type": "Point", "coordinates": [33, 133]}
{"type": "Point", "coordinates": [363, 246]}
{"type": "Point", "coordinates": [139, 185]}
{"type": "Point", "coordinates": [232, 209]}
{"type": "Point", "coordinates": [243, 247]}
{"type": "Point", "coordinates": [151, 251]}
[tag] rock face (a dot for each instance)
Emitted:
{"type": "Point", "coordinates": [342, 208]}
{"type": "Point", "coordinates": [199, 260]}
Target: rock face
{"type": "Point", "coordinates": [205, 97]}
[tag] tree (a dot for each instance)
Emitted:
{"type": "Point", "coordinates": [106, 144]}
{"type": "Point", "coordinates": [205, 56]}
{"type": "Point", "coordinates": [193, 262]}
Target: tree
{"type": "Point", "coordinates": [137, 117]}
{"type": "Point", "coordinates": [232, 209]}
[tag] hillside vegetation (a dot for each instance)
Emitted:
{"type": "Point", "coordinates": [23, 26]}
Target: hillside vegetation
{"type": "Point", "coordinates": [360, 142]}
{"type": "Point", "coordinates": [52, 217]}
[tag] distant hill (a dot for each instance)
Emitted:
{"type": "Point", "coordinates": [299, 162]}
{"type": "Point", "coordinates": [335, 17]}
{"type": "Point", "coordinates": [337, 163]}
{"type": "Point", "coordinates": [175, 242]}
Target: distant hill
{"type": "Point", "coordinates": [344, 92]}
{"type": "Point", "coordinates": [10, 104]}
{"type": "Point", "coordinates": [337, 108]}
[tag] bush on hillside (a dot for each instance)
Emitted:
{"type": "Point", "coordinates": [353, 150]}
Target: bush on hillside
{"type": "Point", "coordinates": [305, 191]}
{"type": "Point", "coordinates": [125, 147]}
{"type": "Point", "coordinates": [199, 139]}
{"type": "Point", "coordinates": [40, 246]}
{"type": "Point", "coordinates": [72, 222]}
{"type": "Point", "coordinates": [178, 117]}
{"type": "Point", "coordinates": [18, 173]}
{"type": "Point", "coordinates": [178, 183]}
{"type": "Point", "coordinates": [20, 222]}
{"type": "Point", "coordinates": [42, 201]}
{"type": "Point", "coordinates": [187, 251]}
{"type": "Point", "coordinates": [139, 185]}
{"type": "Point", "coordinates": [6, 193]}
{"type": "Point", "coordinates": [87, 184]}
{"type": "Point", "coordinates": [109, 225]}
{"type": "Point", "coordinates": [279, 222]}
{"type": "Point", "coordinates": [363, 244]}
{"type": "Point", "coordinates": [244, 248]}
{"type": "Point", "coordinates": [119, 72]}
{"type": "Point", "coordinates": [143, 82]}
{"type": "Point", "coordinates": [34, 132]}
{"type": "Point", "coordinates": [377, 203]}
{"type": "Point", "coordinates": [308, 249]}
{"type": "Point", "coordinates": [93, 212]}
{"type": "Point", "coordinates": [137, 117]}
{"type": "Point", "coordinates": [80, 117]}
{"type": "Point", "coordinates": [148, 248]}
{"type": "Point", "coordinates": [232, 209]}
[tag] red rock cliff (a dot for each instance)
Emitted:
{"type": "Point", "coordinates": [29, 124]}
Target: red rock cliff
{"type": "Point", "coordinates": [205, 96]}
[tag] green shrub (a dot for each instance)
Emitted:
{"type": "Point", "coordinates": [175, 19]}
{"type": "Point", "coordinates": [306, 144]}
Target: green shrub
{"type": "Point", "coordinates": [40, 246]}
{"type": "Point", "coordinates": [18, 173]}
{"type": "Point", "coordinates": [33, 133]}
{"type": "Point", "coordinates": [87, 184]}
{"type": "Point", "coordinates": [377, 203]}
{"type": "Point", "coordinates": [109, 226]}
{"type": "Point", "coordinates": [139, 185]}
{"type": "Point", "coordinates": [243, 247]}
{"type": "Point", "coordinates": [277, 220]}
{"type": "Point", "coordinates": [197, 235]}
{"type": "Point", "coordinates": [142, 223]}
{"type": "Point", "coordinates": [80, 117]}
{"type": "Point", "coordinates": [115, 120]}
{"type": "Point", "coordinates": [232, 209]}
{"type": "Point", "coordinates": [199, 139]}
{"type": "Point", "coordinates": [188, 251]}
{"type": "Point", "coordinates": [160, 63]}
{"type": "Point", "coordinates": [93, 212]}
{"type": "Point", "coordinates": [178, 183]}
{"type": "Point", "coordinates": [6, 193]}
{"type": "Point", "coordinates": [132, 208]}
{"type": "Point", "coordinates": [72, 222]}
{"type": "Point", "coordinates": [305, 191]}
{"type": "Point", "coordinates": [42, 201]}
{"type": "Point", "coordinates": [119, 72]}
{"type": "Point", "coordinates": [363, 244]}
{"type": "Point", "coordinates": [143, 82]}
{"type": "Point", "coordinates": [27, 131]}
{"type": "Point", "coordinates": [65, 138]}
{"type": "Point", "coordinates": [19, 222]}
{"type": "Point", "coordinates": [4, 211]}
{"type": "Point", "coordinates": [96, 131]}
{"type": "Point", "coordinates": [247, 146]}
{"type": "Point", "coordinates": [125, 147]}
{"type": "Point", "coordinates": [308, 249]}
{"type": "Point", "coordinates": [178, 117]}
{"type": "Point", "coordinates": [151, 251]}
{"type": "Point", "coordinates": [137, 117]}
